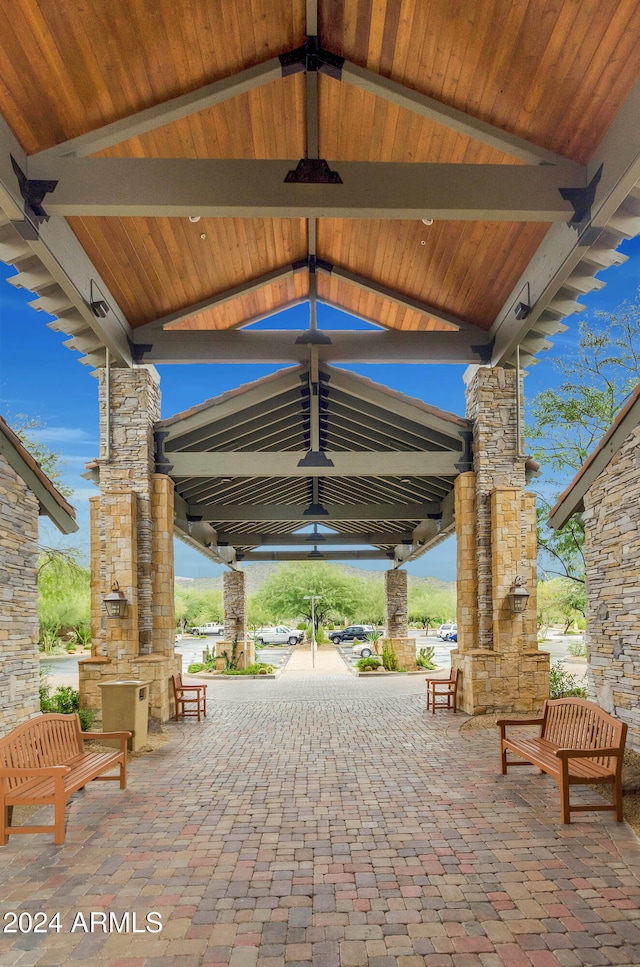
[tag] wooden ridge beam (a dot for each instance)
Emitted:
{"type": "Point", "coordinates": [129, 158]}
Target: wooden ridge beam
{"type": "Point", "coordinates": [251, 557]}
{"type": "Point", "coordinates": [245, 538]}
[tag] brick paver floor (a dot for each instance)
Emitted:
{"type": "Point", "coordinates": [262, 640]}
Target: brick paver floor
{"type": "Point", "coordinates": [319, 820]}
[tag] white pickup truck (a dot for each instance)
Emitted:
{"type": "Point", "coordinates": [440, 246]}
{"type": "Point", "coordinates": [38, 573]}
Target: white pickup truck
{"type": "Point", "coordinates": [281, 635]}
{"type": "Point", "coordinates": [210, 628]}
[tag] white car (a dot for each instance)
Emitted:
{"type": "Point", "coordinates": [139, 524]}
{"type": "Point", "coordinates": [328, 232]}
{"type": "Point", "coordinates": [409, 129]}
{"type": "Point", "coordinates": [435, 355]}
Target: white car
{"type": "Point", "coordinates": [363, 649]}
{"type": "Point", "coordinates": [281, 635]}
{"type": "Point", "coordinates": [444, 631]}
{"type": "Point", "coordinates": [210, 628]}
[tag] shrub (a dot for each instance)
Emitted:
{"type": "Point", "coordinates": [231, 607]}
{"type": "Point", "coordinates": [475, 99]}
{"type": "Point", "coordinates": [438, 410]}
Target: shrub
{"type": "Point", "coordinates": [564, 685]}
{"type": "Point", "coordinates": [371, 662]}
{"type": "Point", "coordinates": [258, 668]}
{"type": "Point", "coordinates": [65, 700]}
{"type": "Point", "coordinates": [576, 649]}
{"type": "Point", "coordinates": [196, 667]}
{"type": "Point", "coordinates": [425, 658]}
{"type": "Point", "coordinates": [389, 657]}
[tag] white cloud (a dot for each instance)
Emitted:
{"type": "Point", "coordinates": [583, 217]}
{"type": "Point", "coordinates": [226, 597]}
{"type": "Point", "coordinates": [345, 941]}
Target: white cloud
{"type": "Point", "coordinates": [62, 434]}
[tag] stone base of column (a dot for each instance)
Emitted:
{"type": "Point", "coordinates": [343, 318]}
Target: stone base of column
{"type": "Point", "coordinates": [246, 651]}
{"type": "Point", "coordinates": [492, 683]}
{"type": "Point", "coordinates": [156, 669]}
{"type": "Point", "coordinates": [405, 649]}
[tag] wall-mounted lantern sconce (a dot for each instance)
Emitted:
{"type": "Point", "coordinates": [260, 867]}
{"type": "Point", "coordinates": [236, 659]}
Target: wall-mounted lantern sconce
{"type": "Point", "coordinates": [115, 602]}
{"type": "Point", "coordinates": [518, 596]}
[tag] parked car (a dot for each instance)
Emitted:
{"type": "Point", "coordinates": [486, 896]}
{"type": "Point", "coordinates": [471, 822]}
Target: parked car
{"type": "Point", "coordinates": [210, 628]}
{"type": "Point", "coordinates": [452, 636]}
{"type": "Point", "coordinates": [445, 630]}
{"type": "Point", "coordinates": [363, 649]}
{"type": "Point", "coordinates": [352, 633]}
{"type": "Point", "coordinates": [281, 635]}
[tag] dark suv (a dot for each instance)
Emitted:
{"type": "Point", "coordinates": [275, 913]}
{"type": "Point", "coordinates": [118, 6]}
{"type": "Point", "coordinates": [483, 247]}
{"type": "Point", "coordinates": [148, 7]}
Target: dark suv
{"type": "Point", "coordinates": [352, 633]}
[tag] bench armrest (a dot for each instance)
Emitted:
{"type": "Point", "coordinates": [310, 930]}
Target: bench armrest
{"type": "Point", "coordinates": [189, 688]}
{"type": "Point", "coordinates": [123, 736]}
{"type": "Point", "coordinates": [588, 753]}
{"type": "Point", "coordinates": [44, 771]}
{"type": "Point", "coordinates": [502, 724]}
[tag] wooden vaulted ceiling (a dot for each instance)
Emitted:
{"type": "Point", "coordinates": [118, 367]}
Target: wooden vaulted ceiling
{"type": "Point", "coordinates": [552, 72]}
{"type": "Point", "coordinates": [513, 124]}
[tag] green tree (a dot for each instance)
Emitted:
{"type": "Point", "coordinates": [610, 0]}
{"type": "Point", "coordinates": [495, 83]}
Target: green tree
{"type": "Point", "coordinates": [431, 606]}
{"type": "Point", "coordinates": [64, 600]}
{"type": "Point", "coordinates": [27, 429]}
{"type": "Point", "coordinates": [566, 422]}
{"type": "Point", "coordinates": [283, 596]}
{"type": "Point", "coordinates": [196, 607]}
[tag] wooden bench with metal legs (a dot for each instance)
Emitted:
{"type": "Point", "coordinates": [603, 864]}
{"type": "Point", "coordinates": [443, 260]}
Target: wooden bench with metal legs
{"type": "Point", "coordinates": [446, 688]}
{"type": "Point", "coordinates": [191, 700]}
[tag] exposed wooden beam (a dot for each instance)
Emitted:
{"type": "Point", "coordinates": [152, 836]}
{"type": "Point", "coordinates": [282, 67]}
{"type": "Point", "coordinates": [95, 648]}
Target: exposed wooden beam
{"type": "Point", "coordinates": [282, 346]}
{"type": "Point", "coordinates": [265, 463]}
{"type": "Point", "coordinates": [425, 538]}
{"type": "Point", "coordinates": [170, 187]}
{"type": "Point", "coordinates": [62, 256]}
{"type": "Point", "coordinates": [290, 512]}
{"type": "Point", "coordinates": [451, 117]}
{"type": "Point", "coordinates": [244, 538]}
{"type": "Point", "coordinates": [160, 114]}
{"type": "Point", "coordinates": [618, 158]}
{"type": "Point", "coordinates": [228, 558]}
{"type": "Point", "coordinates": [219, 299]}
{"type": "Point", "coordinates": [252, 557]}
{"type": "Point", "coordinates": [399, 298]}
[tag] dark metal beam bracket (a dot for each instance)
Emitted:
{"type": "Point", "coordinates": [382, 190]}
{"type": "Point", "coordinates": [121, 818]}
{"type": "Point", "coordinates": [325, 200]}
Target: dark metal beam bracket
{"type": "Point", "coordinates": [33, 192]}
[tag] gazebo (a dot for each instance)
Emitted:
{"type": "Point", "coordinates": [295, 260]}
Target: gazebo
{"type": "Point", "coordinates": [455, 174]}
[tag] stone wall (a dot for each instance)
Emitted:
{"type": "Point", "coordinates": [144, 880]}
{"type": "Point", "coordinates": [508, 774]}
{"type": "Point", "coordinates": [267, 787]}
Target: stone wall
{"type": "Point", "coordinates": [612, 550]}
{"type": "Point", "coordinates": [19, 665]}
{"type": "Point", "coordinates": [397, 619]}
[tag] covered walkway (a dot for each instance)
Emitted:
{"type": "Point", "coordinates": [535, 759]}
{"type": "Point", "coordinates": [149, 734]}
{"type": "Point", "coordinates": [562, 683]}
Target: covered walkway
{"type": "Point", "coordinates": [324, 820]}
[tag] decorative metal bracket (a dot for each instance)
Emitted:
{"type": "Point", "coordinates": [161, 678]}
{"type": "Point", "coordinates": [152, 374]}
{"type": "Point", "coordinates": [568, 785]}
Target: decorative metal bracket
{"type": "Point", "coordinates": [33, 192]}
{"type": "Point", "coordinates": [311, 57]}
{"type": "Point", "coordinates": [484, 351]}
{"type": "Point", "coordinates": [163, 464]}
{"type": "Point", "coordinates": [582, 199]}
{"type": "Point", "coordinates": [313, 171]}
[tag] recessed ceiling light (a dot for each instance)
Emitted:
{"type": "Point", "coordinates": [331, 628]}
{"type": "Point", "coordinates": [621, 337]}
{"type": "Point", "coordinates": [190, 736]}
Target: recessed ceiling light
{"type": "Point", "coordinates": [194, 218]}
{"type": "Point", "coordinates": [427, 221]}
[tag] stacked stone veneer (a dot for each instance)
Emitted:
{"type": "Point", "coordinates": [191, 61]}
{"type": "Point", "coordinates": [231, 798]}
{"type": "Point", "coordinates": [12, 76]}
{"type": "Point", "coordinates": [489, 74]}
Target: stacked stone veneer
{"type": "Point", "coordinates": [502, 667]}
{"type": "Point", "coordinates": [235, 619]}
{"type": "Point", "coordinates": [612, 552]}
{"type": "Point", "coordinates": [19, 681]}
{"type": "Point", "coordinates": [397, 618]}
{"type": "Point", "coordinates": [131, 543]}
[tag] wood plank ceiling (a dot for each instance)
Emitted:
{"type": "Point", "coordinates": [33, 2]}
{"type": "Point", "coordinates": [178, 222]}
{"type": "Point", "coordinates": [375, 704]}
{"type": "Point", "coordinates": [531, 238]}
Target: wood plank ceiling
{"type": "Point", "coordinates": [514, 124]}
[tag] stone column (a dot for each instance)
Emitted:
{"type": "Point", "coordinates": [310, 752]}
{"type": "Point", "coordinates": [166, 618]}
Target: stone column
{"type": "Point", "coordinates": [235, 618]}
{"type": "Point", "coordinates": [502, 668]}
{"type": "Point", "coordinates": [132, 543]}
{"type": "Point", "coordinates": [397, 618]}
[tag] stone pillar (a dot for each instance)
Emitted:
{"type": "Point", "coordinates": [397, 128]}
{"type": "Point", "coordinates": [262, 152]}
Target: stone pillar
{"type": "Point", "coordinates": [235, 618]}
{"type": "Point", "coordinates": [397, 618]}
{"type": "Point", "coordinates": [19, 664]}
{"type": "Point", "coordinates": [132, 543]}
{"type": "Point", "coordinates": [502, 668]}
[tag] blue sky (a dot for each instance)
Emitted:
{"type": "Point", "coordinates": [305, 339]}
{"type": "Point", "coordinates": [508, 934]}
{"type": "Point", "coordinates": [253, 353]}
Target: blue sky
{"type": "Point", "coordinates": [41, 378]}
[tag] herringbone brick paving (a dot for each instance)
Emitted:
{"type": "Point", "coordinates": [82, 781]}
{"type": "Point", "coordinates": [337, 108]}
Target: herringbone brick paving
{"type": "Point", "coordinates": [319, 820]}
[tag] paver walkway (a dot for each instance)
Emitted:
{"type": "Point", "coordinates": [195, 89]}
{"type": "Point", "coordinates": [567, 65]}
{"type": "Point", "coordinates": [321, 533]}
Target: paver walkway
{"type": "Point", "coordinates": [325, 821]}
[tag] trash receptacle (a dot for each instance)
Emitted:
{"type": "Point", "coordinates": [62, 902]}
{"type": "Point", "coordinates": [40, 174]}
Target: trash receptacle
{"type": "Point", "coordinates": [125, 708]}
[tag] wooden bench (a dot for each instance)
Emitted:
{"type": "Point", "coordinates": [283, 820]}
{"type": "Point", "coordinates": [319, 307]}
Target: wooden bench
{"type": "Point", "coordinates": [578, 744]}
{"type": "Point", "coordinates": [44, 761]}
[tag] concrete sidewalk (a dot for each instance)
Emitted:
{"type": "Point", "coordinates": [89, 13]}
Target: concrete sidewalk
{"type": "Point", "coordinates": [320, 820]}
